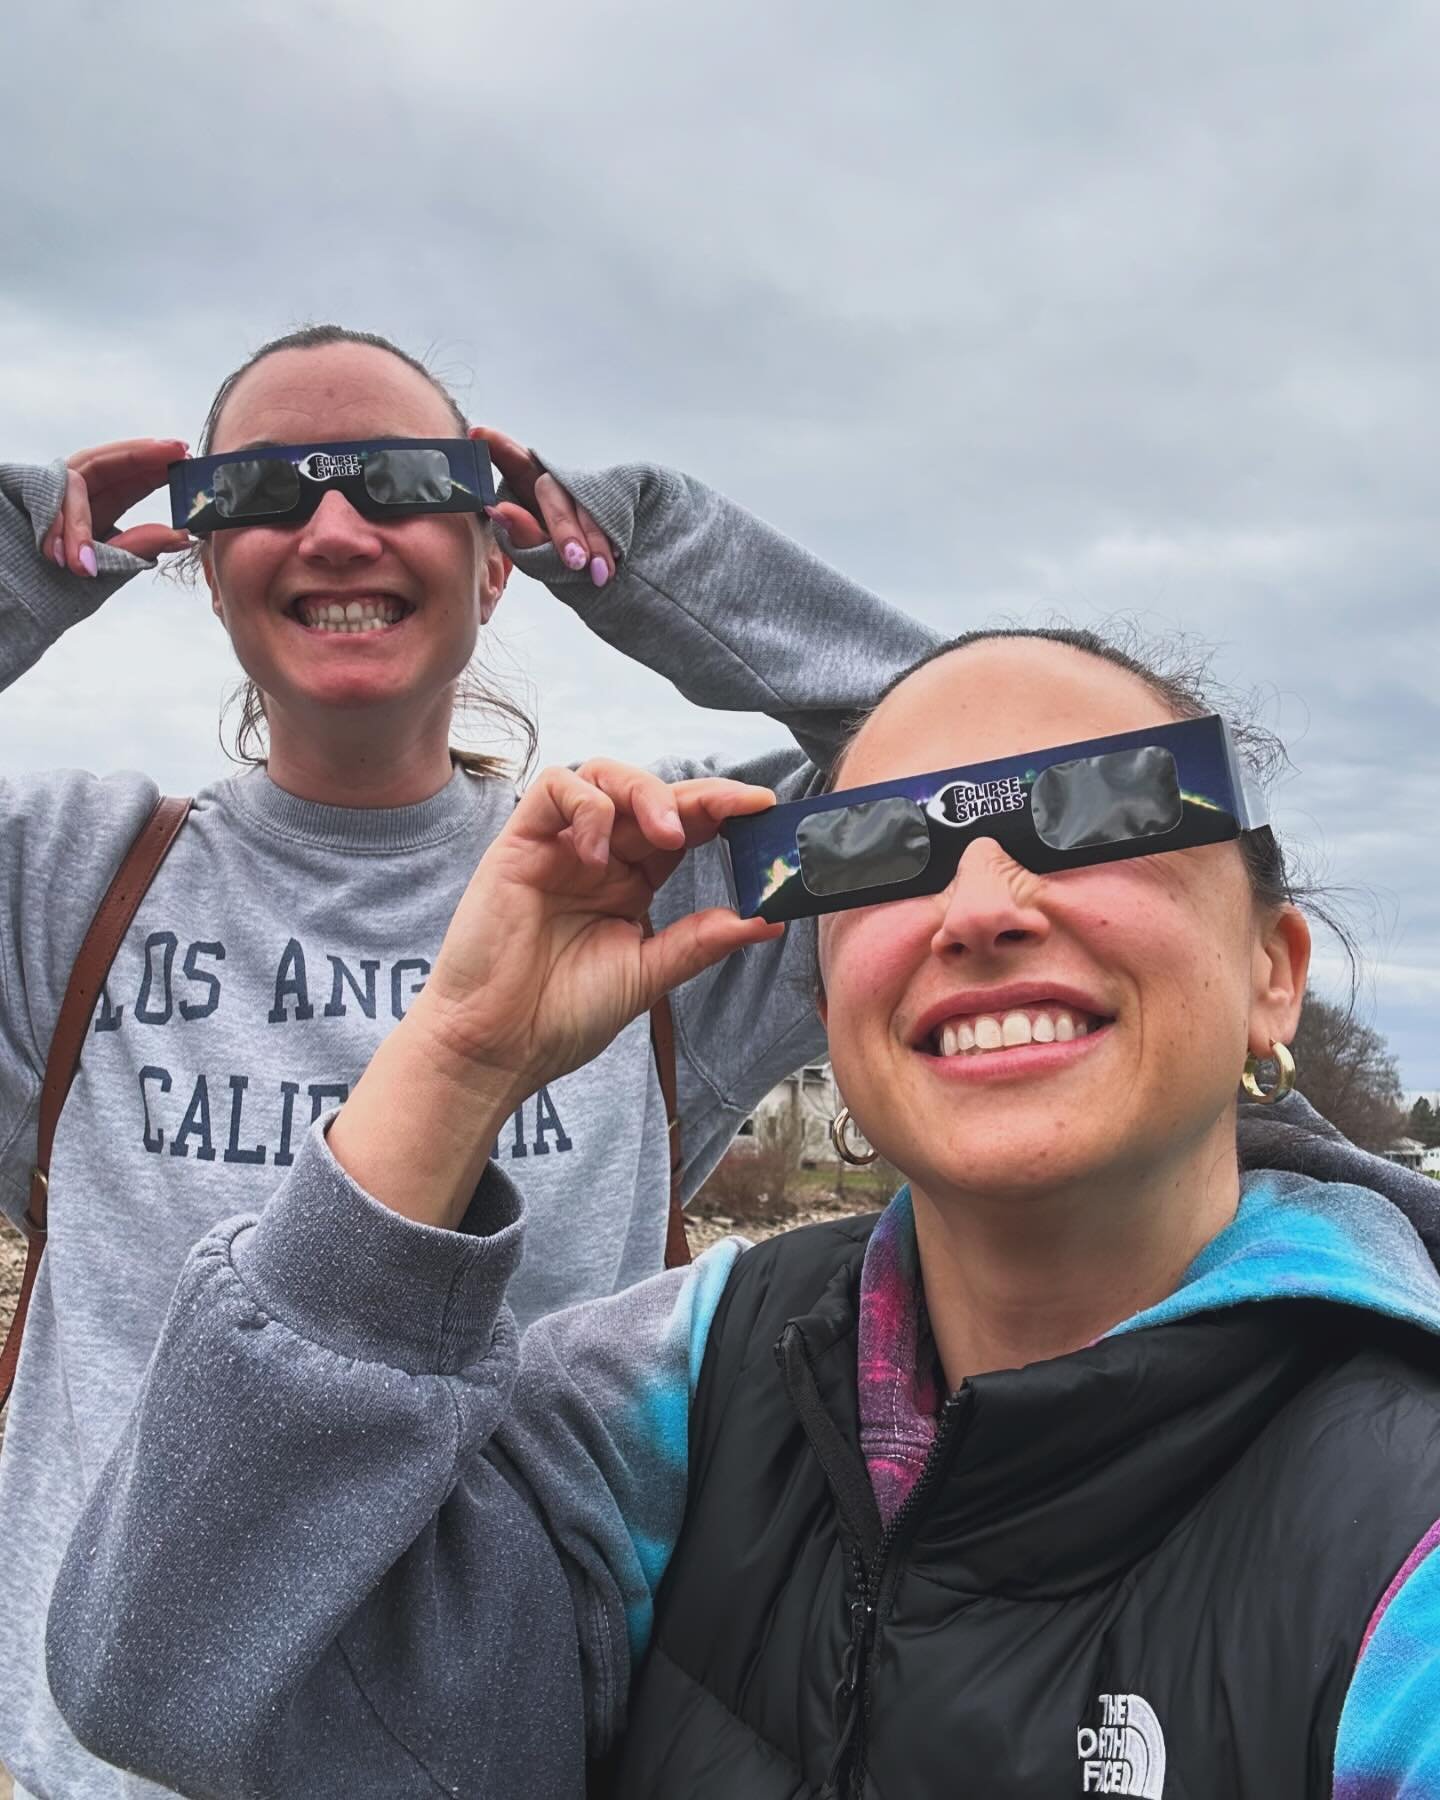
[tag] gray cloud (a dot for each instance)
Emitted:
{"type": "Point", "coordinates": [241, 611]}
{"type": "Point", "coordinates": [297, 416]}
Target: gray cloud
{"type": "Point", "coordinates": [1009, 312]}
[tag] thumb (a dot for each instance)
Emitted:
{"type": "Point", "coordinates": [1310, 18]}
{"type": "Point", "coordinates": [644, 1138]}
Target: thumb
{"type": "Point", "coordinates": [150, 541]}
{"type": "Point", "coordinates": [684, 949]}
{"type": "Point", "coordinates": [524, 531]}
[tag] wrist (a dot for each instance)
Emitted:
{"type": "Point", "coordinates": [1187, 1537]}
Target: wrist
{"type": "Point", "coordinates": [421, 1124]}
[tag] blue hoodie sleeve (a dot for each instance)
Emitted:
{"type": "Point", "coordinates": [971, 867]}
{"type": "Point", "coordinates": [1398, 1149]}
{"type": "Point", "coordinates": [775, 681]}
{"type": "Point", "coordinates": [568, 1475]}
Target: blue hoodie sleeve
{"type": "Point", "coordinates": [1388, 1747]}
{"type": "Point", "coordinates": [355, 1537]}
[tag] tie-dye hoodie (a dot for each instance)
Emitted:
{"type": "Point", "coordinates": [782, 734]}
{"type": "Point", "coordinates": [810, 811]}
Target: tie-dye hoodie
{"type": "Point", "coordinates": [358, 1373]}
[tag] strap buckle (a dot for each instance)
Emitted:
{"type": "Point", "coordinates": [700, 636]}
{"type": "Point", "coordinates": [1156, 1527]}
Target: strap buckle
{"type": "Point", "coordinates": [29, 1225]}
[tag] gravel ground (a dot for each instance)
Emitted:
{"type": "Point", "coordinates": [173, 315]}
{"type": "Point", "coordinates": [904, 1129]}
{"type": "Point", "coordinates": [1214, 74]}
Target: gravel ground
{"type": "Point", "coordinates": [12, 1262]}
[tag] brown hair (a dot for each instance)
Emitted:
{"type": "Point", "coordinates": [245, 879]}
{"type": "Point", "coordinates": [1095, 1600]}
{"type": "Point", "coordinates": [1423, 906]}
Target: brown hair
{"type": "Point", "coordinates": [472, 694]}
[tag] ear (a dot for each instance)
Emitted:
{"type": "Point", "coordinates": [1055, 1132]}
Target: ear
{"type": "Point", "coordinates": [1282, 962]}
{"type": "Point", "coordinates": [495, 567]}
{"type": "Point", "coordinates": [207, 567]}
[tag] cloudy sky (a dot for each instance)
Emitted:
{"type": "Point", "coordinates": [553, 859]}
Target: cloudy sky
{"type": "Point", "coordinates": [1015, 311]}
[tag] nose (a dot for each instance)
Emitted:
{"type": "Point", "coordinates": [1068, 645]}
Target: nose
{"type": "Point", "coordinates": [991, 902]}
{"type": "Point", "coordinates": [336, 534]}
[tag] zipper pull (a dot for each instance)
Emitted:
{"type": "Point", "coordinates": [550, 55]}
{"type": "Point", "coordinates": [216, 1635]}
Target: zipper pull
{"type": "Point", "coordinates": [844, 1707]}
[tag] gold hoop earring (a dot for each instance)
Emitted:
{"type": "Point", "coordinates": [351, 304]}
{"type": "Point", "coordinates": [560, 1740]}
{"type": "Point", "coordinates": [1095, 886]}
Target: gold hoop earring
{"type": "Point", "coordinates": [840, 1138]}
{"type": "Point", "coordinates": [1250, 1080]}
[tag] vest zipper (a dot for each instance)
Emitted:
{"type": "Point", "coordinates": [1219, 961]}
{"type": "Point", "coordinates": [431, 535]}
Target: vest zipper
{"type": "Point", "coordinates": [852, 1745]}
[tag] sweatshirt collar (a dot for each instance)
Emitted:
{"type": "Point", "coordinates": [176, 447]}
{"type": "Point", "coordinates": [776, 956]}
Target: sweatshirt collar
{"type": "Point", "coordinates": [368, 830]}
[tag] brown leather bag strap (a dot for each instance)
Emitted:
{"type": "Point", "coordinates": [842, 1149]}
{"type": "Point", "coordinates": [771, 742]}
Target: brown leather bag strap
{"type": "Point", "coordinates": [92, 965]}
{"type": "Point", "coordinates": [662, 1043]}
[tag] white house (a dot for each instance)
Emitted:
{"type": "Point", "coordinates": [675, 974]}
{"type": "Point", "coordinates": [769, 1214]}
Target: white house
{"type": "Point", "coordinates": [1410, 1153]}
{"type": "Point", "coordinates": [806, 1100]}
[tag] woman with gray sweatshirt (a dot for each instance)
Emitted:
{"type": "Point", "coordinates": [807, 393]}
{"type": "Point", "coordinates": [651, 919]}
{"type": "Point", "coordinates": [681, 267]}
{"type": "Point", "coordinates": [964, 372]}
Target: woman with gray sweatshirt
{"type": "Point", "coordinates": [298, 916]}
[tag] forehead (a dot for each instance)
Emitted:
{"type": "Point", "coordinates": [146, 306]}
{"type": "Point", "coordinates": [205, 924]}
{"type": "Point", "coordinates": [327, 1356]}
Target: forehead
{"type": "Point", "coordinates": [998, 698]}
{"type": "Point", "coordinates": [336, 392]}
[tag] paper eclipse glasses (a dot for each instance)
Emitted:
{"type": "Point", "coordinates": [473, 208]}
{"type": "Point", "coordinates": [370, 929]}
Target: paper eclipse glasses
{"type": "Point", "coordinates": [281, 484]}
{"type": "Point", "coordinates": [1170, 787]}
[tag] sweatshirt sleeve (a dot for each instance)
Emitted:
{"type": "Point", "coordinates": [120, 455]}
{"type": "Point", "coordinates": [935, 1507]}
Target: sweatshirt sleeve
{"type": "Point", "coordinates": [737, 618]}
{"type": "Point", "coordinates": [40, 601]}
{"type": "Point", "coordinates": [61, 835]}
{"type": "Point", "coordinates": [355, 1540]}
{"type": "Point", "coordinates": [1388, 1746]}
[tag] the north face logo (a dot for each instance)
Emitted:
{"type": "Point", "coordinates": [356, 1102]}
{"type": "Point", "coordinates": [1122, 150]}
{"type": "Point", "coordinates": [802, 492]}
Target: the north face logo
{"type": "Point", "coordinates": [1125, 1752]}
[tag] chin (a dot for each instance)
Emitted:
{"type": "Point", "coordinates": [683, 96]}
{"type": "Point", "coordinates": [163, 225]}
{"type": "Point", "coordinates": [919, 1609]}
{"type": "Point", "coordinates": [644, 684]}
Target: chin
{"type": "Point", "coordinates": [998, 1161]}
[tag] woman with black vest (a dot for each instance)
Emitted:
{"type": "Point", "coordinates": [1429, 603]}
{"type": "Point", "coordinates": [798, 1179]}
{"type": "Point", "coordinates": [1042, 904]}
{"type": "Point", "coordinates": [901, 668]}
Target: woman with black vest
{"type": "Point", "coordinates": [1107, 1460]}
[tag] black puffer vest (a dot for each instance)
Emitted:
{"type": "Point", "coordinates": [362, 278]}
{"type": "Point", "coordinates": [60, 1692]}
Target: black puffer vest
{"type": "Point", "coordinates": [1145, 1568]}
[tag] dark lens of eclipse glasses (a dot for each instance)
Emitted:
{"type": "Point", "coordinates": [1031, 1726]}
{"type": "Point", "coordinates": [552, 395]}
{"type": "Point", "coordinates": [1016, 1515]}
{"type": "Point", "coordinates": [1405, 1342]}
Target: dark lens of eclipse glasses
{"type": "Point", "coordinates": [255, 488]}
{"type": "Point", "coordinates": [408, 477]}
{"type": "Point", "coordinates": [875, 843]}
{"type": "Point", "coordinates": [263, 486]}
{"type": "Point", "coordinates": [1126, 796]}
{"type": "Point", "coordinates": [1118, 798]}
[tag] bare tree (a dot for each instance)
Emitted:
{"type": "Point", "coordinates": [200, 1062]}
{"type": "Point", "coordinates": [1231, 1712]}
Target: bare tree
{"type": "Point", "coordinates": [1348, 1073]}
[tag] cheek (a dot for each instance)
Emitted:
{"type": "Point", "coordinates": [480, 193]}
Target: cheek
{"type": "Point", "coordinates": [867, 960]}
{"type": "Point", "coordinates": [443, 551]}
{"type": "Point", "coordinates": [243, 564]}
{"type": "Point", "coordinates": [1180, 933]}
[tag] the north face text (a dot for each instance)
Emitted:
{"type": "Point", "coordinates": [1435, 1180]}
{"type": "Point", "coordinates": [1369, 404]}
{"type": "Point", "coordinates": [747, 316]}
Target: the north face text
{"type": "Point", "coordinates": [1125, 1752]}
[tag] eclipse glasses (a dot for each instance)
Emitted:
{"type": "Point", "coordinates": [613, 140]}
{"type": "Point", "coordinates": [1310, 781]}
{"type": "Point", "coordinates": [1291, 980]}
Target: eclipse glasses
{"type": "Point", "coordinates": [282, 484]}
{"type": "Point", "coordinates": [1171, 787]}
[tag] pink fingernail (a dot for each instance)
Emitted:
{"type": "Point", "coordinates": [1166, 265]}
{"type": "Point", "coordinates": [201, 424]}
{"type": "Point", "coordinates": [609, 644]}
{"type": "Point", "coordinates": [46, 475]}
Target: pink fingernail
{"type": "Point", "coordinates": [599, 571]}
{"type": "Point", "coordinates": [59, 552]}
{"type": "Point", "coordinates": [574, 555]}
{"type": "Point", "coordinates": [87, 559]}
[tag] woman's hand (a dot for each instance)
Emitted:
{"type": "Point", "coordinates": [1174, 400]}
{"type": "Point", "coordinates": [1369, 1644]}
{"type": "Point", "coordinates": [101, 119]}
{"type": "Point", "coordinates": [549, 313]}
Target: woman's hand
{"type": "Point", "coordinates": [544, 963]}
{"type": "Point", "coordinates": [103, 484]}
{"type": "Point", "coordinates": [547, 514]}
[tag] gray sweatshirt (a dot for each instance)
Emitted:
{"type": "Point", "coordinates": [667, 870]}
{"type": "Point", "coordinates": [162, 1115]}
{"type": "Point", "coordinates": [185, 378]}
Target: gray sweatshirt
{"type": "Point", "coordinates": [280, 942]}
{"type": "Point", "coordinates": [361, 1543]}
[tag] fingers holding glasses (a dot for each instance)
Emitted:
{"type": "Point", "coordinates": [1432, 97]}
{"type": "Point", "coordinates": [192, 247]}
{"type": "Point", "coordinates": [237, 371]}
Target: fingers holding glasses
{"type": "Point", "coordinates": [101, 485]}
{"type": "Point", "coordinates": [545, 513]}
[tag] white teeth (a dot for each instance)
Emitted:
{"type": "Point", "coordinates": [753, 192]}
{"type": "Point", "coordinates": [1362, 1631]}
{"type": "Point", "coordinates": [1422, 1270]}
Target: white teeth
{"type": "Point", "coordinates": [1015, 1029]}
{"type": "Point", "coordinates": [353, 615]}
{"type": "Point", "coordinates": [964, 1037]}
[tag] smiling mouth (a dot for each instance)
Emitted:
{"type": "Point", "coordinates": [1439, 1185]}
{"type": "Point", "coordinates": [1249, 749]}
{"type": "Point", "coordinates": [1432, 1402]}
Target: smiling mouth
{"type": "Point", "coordinates": [990, 1034]}
{"type": "Point", "coordinates": [372, 612]}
